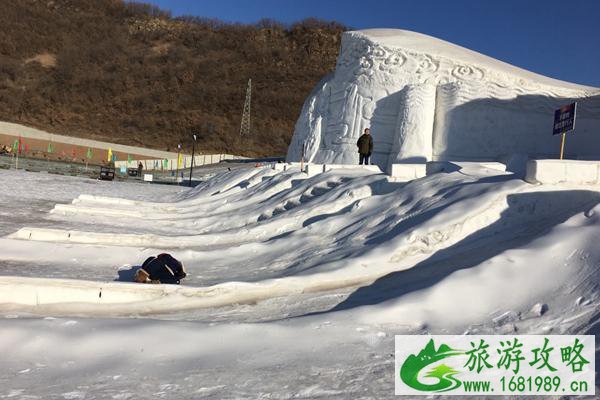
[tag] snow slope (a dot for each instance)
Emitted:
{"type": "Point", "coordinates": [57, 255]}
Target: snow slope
{"type": "Point", "coordinates": [332, 266]}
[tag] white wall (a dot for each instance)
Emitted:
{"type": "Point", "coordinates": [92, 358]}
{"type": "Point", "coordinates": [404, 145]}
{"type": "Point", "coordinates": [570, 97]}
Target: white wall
{"type": "Point", "coordinates": [23, 131]}
{"type": "Point", "coordinates": [158, 164]}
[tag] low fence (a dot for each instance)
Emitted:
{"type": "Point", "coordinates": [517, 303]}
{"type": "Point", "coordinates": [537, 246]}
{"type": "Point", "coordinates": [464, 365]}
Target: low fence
{"type": "Point", "coordinates": [172, 164]}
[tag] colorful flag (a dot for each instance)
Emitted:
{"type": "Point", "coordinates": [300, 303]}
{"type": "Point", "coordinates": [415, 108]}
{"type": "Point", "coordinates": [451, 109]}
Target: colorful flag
{"type": "Point", "coordinates": [109, 156]}
{"type": "Point", "coordinates": [129, 158]}
{"type": "Point", "coordinates": [50, 147]}
{"type": "Point", "coordinates": [165, 163]}
{"type": "Point", "coordinates": [180, 160]}
{"type": "Point", "coordinates": [89, 153]}
{"type": "Point", "coordinates": [19, 146]}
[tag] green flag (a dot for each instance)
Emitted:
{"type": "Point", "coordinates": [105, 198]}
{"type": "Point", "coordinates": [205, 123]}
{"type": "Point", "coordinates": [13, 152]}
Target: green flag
{"type": "Point", "coordinates": [166, 163]}
{"type": "Point", "coordinates": [50, 147]}
{"type": "Point", "coordinates": [89, 153]}
{"type": "Point", "coordinates": [129, 158]}
{"type": "Point", "coordinates": [16, 146]}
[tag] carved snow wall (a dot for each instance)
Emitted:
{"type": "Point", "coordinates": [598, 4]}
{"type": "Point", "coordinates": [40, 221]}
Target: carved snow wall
{"type": "Point", "coordinates": [431, 100]}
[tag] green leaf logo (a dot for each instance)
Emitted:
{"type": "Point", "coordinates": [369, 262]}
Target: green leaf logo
{"type": "Point", "coordinates": [412, 366]}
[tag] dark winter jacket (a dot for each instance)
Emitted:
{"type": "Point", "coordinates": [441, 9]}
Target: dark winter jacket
{"type": "Point", "coordinates": [164, 268]}
{"type": "Point", "coordinates": [365, 144]}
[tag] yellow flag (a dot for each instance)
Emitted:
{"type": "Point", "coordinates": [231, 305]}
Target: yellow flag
{"type": "Point", "coordinates": [109, 156]}
{"type": "Point", "coordinates": [180, 161]}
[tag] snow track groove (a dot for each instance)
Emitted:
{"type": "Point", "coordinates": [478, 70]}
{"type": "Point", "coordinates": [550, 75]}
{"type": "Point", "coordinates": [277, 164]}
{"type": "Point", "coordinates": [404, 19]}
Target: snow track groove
{"type": "Point", "coordinates": [337, 226]}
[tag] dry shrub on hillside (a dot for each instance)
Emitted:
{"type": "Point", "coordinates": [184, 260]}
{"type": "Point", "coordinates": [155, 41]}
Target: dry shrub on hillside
{"type": "Point", "coordinates": [130, 73]}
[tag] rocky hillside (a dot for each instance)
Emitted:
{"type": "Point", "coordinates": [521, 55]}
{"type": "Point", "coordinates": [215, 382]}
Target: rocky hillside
{"type": "Point", "coordinates": [132, 74]}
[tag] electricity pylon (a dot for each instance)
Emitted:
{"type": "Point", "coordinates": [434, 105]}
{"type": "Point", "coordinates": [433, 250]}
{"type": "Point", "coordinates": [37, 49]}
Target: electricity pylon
{"type": "Point", "coordinates": [245, 125]}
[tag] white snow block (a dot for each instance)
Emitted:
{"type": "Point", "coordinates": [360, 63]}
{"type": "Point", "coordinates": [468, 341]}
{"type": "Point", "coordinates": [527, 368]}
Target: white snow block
{"type": "Point", "coordinates": [278, 166]}
{"type": "Point", "coordinates": [545, 171]}
{"type": "Point", "coordinates": [582, 172]}
{"type": "Point", "coordinates": [494, 165]}
{"type": "Point", "coordinates": [407, 171]}
{"type": "Point", "coordinates": [563, 171]}
{"type": "Point", "coordinates": [372, 168]}
{"type": "Point", "coordinates": [329, 167]}
{"type": "Point", "coordinates": [294, 165]}
{"type": "Point", "coordinates": [313, 169]}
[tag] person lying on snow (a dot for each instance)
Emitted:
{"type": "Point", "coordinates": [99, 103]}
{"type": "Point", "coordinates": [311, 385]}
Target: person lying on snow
{"type": "Point", "coordinates": [163, 268]}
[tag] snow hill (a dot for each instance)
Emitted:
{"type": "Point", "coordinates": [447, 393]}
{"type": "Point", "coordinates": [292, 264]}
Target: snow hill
{"type": "Point", "coordinates": [340, 260]}
{"type": "Point", "coordinates": [426, 99]}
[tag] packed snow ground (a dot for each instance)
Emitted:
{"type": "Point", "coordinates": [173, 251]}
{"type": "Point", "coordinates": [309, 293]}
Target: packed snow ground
{"type": "Point", "coordinates": [297, 284]}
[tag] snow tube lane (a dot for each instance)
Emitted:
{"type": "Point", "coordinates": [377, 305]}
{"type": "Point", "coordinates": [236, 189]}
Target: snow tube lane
{"type": "Point", "coordinates": [78, 297]}
{"type": "Point", "coordinates": [259, 232]}
{"type": "Point", "coordinates": [209, 191]}
{"type": "Point", "coordinates": [201, 204]}
{"type": "Point", "coordinates": [66, 209]}
{"type": "Point", "coordinates": [215, 208]}
{"type": "Point", "coordinates": [503, 209]}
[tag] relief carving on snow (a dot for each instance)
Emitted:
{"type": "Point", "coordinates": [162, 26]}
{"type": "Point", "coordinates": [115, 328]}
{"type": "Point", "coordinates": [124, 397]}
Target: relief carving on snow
{"type": "Point", "coordinates": [443, 97]}
{"type": "Point", "coordinates": [467, 72]}
{"type": "Point", "coordinates": [427, 65]}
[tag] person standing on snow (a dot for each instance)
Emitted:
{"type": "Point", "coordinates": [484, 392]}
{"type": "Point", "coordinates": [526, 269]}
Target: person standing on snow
{"type": "Point", "coordinates": [365, 147]}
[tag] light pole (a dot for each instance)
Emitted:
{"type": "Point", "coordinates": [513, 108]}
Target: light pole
{"type": "Point", "coordinates": [177, 167]}
{"type": "Point", "coordinates": [192, 163]}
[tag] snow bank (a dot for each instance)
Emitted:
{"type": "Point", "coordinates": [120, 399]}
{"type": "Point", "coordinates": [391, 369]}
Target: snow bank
{"type": "Point", "coordinates": [563, 171]}
{"type": "Point", "coordinates": [425, 99]}
{"type": "Point", "coordinates": [502, 288]}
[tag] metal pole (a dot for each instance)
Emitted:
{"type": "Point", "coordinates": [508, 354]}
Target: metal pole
{"type": "Point", "coordinates": [562, 145]}
{"type": "Point", "coordinates": [177, 170]}
{"type": "Point", "coordinates": [192, 163]}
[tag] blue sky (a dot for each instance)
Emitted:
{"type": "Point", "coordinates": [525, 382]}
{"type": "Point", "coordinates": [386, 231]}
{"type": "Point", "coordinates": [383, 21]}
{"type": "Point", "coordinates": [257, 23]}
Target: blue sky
{"type": "Point", "coordinates": [560, 39]}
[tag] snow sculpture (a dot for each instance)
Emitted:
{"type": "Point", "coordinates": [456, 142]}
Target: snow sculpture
{"type": "Point", "coordinates": [427, 99]}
